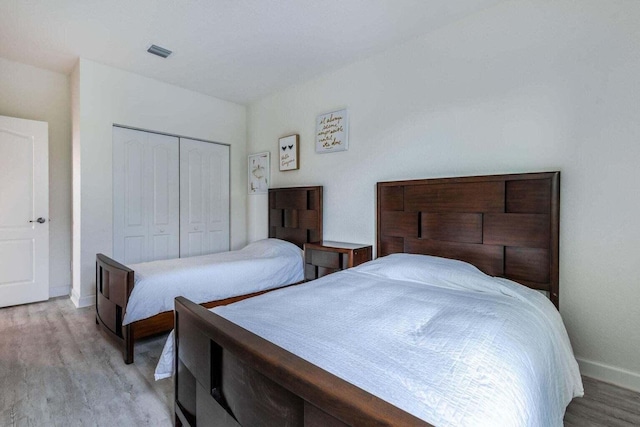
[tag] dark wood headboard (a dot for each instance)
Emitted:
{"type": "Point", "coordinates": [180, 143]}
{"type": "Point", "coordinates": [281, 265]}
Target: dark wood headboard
{"type": "Point", "coordinates": [506, 225]}
{"type": "Point", "coordinates": [295, 214]}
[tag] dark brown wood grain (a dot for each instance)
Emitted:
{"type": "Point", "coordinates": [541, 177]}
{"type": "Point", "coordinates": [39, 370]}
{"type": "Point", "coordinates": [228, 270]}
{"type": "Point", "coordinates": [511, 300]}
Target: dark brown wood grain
{"type": "Point", "coordinates": [473, 196]}
{"type": "Point", "coordinates": [390, 245]}
{"type": "Point", "coordinates": [392, 198]}
{"type": "Point", "coordinates": [326, 257]}
{"type": "Point", "coordinates": [295, 215]}
{"type": "Point", "coordinates": [488, 258]}
{"type": "Point", "coordinates": [529, 196]}
{"type": "Point", "coordinates": [529, 264]}
{"type": "Point", "coordinates": [519, 230]}
{"type": "Point", "coordinates": [114, 283]}
{"type": "Point", "coordinates": [506, 225]}
{"type": "Point", "coordinates": [451, 227]}
{"type": "Point", "coordinates": [400, 224]}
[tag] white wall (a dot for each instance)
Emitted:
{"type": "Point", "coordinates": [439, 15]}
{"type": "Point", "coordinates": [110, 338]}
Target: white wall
{"type": "Point", "coordinates": [104, 96]}
{"type": "Point", "coordinates": [32, 93]}
{"type": "Point", "coordinates": [524, 86]}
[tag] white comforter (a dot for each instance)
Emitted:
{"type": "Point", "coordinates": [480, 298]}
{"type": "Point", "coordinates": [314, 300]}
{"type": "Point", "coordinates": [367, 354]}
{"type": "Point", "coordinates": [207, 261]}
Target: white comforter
{"type": "Point", "coordinates": [261, 265]}
{"type": "Point", "coordinates": [435, 337]}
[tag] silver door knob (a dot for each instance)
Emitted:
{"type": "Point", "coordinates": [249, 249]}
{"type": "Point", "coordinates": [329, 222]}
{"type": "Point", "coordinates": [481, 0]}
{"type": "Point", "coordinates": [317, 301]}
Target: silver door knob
{"type": "Point", "coordinates": [39, 220]}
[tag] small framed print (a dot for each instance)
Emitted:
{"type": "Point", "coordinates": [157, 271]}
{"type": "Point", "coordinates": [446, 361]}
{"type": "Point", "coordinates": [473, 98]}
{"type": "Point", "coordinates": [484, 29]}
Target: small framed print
{"type": "Point", "coordinates": [259, 173]}
{"type": "Point", "coordinates": [289, 149]}
{"type": "Point", "coordinates": [332, 131]}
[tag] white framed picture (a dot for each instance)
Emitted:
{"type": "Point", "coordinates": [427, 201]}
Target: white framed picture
{"type": "Point", "coordinates": [332, 131]}
{"type": "Point", "coordinates": [259, 173]}
{"type": "Point", "coordinates": [289, 150]}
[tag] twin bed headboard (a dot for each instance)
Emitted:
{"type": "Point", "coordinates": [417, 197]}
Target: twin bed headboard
{"type": "Point", "coordinates": [295, 214]}
{"type": "Point", "coordinates": [506, 225]}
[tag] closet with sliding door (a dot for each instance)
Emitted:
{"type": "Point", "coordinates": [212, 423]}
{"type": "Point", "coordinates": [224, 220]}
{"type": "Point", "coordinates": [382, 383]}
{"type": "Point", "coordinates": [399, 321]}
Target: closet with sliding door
{"type": "Point", "coordinates": [170, 196]}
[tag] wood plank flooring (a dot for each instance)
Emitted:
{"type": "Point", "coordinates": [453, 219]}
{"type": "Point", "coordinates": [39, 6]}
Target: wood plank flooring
{"type": "Point", "coordinates": [57, 369]}
{"type": "Point", "coordinates": [603, 405]}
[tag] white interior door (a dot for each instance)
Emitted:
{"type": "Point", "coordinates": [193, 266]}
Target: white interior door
{"type": "Point", "coordinates": [204, 197]}
{"type": "Point", "coordinates": [145, 196]}
{"type": "Point", "coordinates": [24, 211]}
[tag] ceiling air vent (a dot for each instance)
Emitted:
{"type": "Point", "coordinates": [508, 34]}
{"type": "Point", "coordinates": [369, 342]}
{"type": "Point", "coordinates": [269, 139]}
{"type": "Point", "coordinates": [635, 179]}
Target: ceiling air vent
{"type": "Point", "coordinates": [160, 51]}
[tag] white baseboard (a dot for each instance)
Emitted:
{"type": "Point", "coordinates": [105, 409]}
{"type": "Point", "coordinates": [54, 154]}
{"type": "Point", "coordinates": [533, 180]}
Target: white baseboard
{"type": "Point", "coordinates": [610, 374]}
{"type": "Point", "coordinates": [80, 302]}
{"type": "Point", "coordinates": [59, 291]}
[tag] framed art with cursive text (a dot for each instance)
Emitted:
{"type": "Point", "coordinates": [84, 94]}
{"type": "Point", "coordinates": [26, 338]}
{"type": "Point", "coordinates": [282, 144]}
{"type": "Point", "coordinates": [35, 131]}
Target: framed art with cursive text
{"type": "Point", "coordinates": [289, 150]}
{"type": "Point", "coordinates": [332, 132]}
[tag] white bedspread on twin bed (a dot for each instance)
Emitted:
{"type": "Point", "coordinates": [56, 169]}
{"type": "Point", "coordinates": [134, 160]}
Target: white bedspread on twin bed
{"type": "Point", "coordinates": [261, 265]}
{"type": "Point", "coordinates": [435, 337]}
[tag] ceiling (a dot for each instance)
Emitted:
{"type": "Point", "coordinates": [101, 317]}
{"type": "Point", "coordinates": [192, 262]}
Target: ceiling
{"type": "Point", "coordinates": [238, 50]}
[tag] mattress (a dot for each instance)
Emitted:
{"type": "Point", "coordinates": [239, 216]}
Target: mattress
{"type": "Point", "coordinates": [435, 337]}
{"type": "Point", "coordinates": [259, 266]}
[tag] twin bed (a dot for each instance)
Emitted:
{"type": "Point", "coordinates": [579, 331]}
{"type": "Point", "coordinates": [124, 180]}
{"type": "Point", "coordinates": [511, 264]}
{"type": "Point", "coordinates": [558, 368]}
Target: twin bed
{"type": "Point", "coordinates": [451, 338]}
{"type": "Point", "coordinates": [137, 301]}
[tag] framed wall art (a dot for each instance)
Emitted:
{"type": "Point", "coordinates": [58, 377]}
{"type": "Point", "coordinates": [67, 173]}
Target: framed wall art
{"type": "Point", "coordinates": [332, 131]}
{"type": "Point", "coordinates": [289, 150]}
{"type": "Point", "coordinates": [259, 173]}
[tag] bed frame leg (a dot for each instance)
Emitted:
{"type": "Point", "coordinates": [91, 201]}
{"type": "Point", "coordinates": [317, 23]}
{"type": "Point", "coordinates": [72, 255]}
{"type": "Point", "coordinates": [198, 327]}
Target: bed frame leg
{"type": "Point", "coordinates": [128, 344]}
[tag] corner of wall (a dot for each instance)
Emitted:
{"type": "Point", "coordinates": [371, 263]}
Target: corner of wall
{"type": "Point", "coordinates": [81, 302]}
{"type": "Point", "coordinates": [75, 181]}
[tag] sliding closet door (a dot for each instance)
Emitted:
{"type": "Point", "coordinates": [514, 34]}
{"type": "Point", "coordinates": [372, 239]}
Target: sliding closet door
{"type": "Point", "coordinates": [204, 197]}
{"type": "Point", "coordinates": [145, 196]}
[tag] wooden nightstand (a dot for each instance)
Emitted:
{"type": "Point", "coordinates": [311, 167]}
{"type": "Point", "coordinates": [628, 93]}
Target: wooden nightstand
{"type": "Point", "coordinates": [322, 258]}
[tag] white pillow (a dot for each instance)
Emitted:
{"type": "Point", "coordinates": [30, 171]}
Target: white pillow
{"type": "Point", "coordinates": [422, 268]}
{"type": "Point", "coordinates": [446, 273]}
{"type": "Point", "coordinates": [272, 247]}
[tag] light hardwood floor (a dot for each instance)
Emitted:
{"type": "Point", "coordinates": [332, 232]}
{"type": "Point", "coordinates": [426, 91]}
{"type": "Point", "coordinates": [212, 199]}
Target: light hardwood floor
{"type": "Point", "coordinates": [603, 405]}
{"type": "Point", "coordinates": [57, 369]}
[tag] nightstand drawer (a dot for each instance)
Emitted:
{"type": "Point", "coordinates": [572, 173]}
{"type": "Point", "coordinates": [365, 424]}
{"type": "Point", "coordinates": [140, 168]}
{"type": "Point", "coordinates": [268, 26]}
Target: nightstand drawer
{"type": "Point", "coordinates": [322, 258]}
{"type": "Point", "coordinates": [314, 272]}
{"type": "Point", "coordinates": [322, 271]}
{"type": "Point", "coordinates": [325, 259]}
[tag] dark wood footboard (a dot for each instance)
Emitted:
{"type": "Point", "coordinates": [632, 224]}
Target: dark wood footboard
{"type": "Point", "coordinates": [228, 376]}
{"type": "Point", "coordinates": [114, 283]}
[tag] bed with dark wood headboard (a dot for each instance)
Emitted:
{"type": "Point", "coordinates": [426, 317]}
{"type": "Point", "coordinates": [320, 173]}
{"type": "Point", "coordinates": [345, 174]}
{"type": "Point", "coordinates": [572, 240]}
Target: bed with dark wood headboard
{"type": "Point", "coordinates": [506, 225]}
{"type": "Point", "coordinates": [295, 215]}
